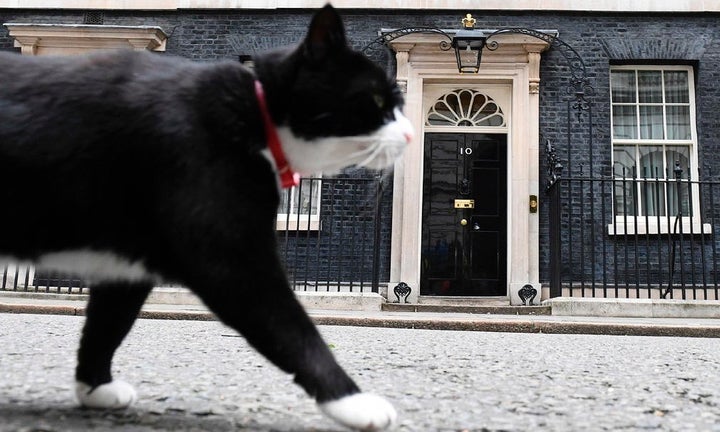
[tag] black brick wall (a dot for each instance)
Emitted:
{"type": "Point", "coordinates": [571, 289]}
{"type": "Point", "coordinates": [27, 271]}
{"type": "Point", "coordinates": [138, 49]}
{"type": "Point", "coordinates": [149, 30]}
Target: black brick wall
{"type": "Point", "coordinates": [599, 39]}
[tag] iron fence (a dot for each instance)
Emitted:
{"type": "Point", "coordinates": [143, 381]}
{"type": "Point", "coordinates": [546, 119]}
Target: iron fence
{"type": "Point", "coordinates": [634, 238]}
{"type": "Point", "coordinates": [330, 236]}
{"type": "Point", "coordinates": [20, 277]}
{"type": "Point", "coordinates": [331, 233]}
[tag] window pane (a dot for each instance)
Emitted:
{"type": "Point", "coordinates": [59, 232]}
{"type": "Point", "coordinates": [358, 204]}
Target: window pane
{"type": "Point", "coordinates": [681, 188]}
{"type": "Point", "coordinates": [651, 122]}
{"type": "Point", "coordinates": [678, 122]}
{"type": "Point", "coordinates": [441, 115]}
{"type": "Point", "coordinates": [624, 122]}
{"type": "Point", "coordinates": [302, 200]}
{"type": "Point", "coordinates": [624, 198]}
{"type": "Point", "coordinates": [676, 87]}
{"type": "Point", "coordinates": [678, 154]}
{"type": "Point", "coordinates": [651, 167]}
{"type": "Point", "coordinates": [651, 162]}
{"type": "Point", "coordinates": [623, 86]}
{"type": "Point", "coordinates": [285, 201]}
{"type": "Point", "coordinates": [309, 197]}
{"type": "Point", "coordinates": [653, 197]}
{"type": "Point", "coordinates": [624, 157]}
{"type": "Point", "coordinates": [650, 86]}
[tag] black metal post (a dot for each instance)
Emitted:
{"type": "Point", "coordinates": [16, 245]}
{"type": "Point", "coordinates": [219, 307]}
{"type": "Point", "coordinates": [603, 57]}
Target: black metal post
{"type": "Point", "coordinates": [555, 238]}
{"type": "Point", "coordinates": [378, 236]}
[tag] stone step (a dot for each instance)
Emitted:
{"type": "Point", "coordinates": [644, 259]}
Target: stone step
{"type": "Point", "coordinates": [473, 309]}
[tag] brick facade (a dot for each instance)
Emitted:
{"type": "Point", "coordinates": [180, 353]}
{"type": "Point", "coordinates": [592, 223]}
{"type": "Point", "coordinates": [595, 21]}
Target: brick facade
{"type": "Point", "coordinates": [601, 39]}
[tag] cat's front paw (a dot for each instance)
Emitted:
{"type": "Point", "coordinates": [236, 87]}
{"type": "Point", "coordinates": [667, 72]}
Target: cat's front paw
{"type": "Point", "coordinates": [361, 411]}
{"type": "Point", "coordinates": [113, 395]}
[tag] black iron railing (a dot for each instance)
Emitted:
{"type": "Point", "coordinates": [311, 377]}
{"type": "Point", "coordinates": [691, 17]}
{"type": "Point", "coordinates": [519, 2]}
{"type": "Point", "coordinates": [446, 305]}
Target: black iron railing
{"type": "Point", "coordinates": [23, 277]}
{"type": "Point", "coordinates": [634, 238]}
{"type": "Point", "coordinates": [332, 241]}
{"type": "Point", "coordinates": [330, 232]}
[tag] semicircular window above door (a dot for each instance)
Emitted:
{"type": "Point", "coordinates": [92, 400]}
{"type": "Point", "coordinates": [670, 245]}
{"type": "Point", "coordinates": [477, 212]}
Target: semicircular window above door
{"type": "Point", "coordinates": [465, 107]}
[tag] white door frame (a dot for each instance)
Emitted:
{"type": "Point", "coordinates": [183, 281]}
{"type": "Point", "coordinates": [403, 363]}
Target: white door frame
{"type": "Point", "coordinates": [515, 64]}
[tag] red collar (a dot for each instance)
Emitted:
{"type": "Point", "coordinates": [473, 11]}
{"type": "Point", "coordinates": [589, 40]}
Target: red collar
{"type": "Point", "coordinates": [288, 177]}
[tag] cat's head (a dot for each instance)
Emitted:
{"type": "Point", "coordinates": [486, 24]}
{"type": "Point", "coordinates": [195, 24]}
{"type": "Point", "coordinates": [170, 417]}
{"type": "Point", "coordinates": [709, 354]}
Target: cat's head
{"type": "Point", "coordinates": [332, 106]}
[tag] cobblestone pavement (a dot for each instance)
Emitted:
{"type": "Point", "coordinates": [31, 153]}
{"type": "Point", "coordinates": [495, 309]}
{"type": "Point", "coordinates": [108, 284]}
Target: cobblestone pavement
{"type": "Point", "coordinates": [199, 376]}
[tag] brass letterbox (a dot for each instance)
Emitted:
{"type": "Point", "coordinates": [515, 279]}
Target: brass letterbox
{"type": "Point", "coordinates": [464, 203]}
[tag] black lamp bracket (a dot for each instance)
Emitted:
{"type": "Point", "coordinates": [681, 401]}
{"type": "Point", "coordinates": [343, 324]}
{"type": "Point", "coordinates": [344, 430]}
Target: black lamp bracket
{"type": "Point", "coordinates": [579, 86]}
{"type": "Point", "coordinates": [386, 37]}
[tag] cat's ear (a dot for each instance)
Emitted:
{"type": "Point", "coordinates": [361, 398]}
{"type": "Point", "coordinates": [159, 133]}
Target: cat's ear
{"type": "Point", "coordinates": [326, 34]}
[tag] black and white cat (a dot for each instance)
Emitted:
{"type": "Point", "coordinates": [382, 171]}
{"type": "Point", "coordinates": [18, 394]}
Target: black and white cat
{"type": "Point", "coordinates": [134, 168]}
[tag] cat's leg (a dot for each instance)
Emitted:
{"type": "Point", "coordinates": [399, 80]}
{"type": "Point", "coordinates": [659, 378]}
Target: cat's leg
{"type": "Point", "coordinates": [260, 305]}
{"type": "Point", "coordinates": [111, 312]}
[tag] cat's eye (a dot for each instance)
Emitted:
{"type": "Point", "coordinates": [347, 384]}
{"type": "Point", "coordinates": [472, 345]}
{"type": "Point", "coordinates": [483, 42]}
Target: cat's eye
{"type": "Point", "coordinates": [379, 101]}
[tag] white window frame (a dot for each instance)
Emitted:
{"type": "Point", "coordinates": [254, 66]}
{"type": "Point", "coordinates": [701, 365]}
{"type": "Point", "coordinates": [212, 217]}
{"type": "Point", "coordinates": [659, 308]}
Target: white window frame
{"type": "Point", "coordinates": [652, 224]}
{"type": "Point", "coordinates": [300, 222]}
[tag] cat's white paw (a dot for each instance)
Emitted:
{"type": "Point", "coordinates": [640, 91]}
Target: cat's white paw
{"type": "Point", "coordinates": [361, 411]}
{"type": "Point", "coordinates": [116, 394]}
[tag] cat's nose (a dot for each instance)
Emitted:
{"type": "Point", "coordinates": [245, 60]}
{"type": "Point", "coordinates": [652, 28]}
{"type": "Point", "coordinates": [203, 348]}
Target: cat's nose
{"type": "Point", "coordinates": [408, 137]}
{"type": "Point", "coordinates": [404, 126]}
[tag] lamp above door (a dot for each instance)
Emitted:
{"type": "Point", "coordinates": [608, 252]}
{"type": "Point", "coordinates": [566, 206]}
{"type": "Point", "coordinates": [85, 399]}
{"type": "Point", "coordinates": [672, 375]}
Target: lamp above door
{"type": "Point", "coordinates": [468, 44]}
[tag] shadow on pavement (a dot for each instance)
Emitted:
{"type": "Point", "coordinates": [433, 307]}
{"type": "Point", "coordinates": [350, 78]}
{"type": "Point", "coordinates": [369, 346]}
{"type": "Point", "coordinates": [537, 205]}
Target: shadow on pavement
{"type": "Point", "coordinates": [49, 418]}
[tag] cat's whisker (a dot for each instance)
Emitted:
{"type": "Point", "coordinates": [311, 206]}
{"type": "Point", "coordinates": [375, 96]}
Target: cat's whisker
{"type": "Point", "coordinates": [342, 160]}
{"type": "Point", "coordinates": [382, 153]}
{"type": "Point", "coordinates": [375, 151]}
{"type": "Point", "coordinates": [360, 153]}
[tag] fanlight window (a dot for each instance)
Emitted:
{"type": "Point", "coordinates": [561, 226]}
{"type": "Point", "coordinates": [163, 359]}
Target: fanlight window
{"type": "Point", "coordinates": [465, 107]}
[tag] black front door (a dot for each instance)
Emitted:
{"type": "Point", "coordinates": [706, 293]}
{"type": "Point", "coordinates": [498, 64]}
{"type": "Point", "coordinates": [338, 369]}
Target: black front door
{"type": "Point", "coordinates": [464, 226]}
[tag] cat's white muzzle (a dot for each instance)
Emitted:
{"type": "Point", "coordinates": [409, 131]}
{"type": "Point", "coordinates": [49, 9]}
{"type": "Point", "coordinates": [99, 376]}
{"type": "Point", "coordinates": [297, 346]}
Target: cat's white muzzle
{"type": "Point", "coordinates": [391, 140]}
{"type": "Point", "coordinates": [377, 150]}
